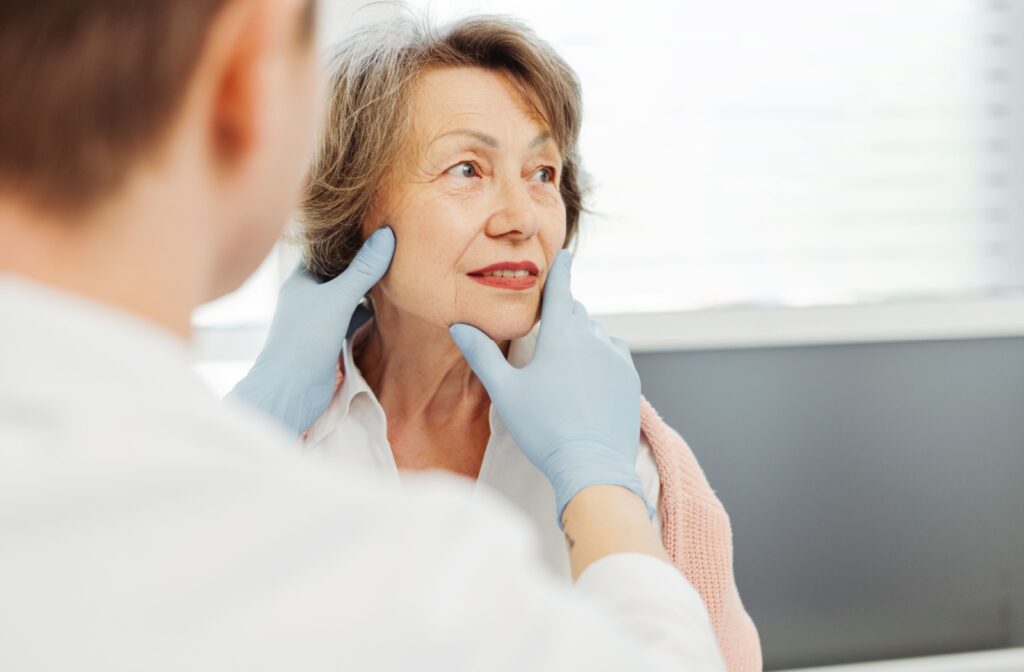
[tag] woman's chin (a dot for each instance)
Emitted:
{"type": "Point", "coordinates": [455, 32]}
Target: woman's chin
{"type": "Point", "coordinates": [504, 329]}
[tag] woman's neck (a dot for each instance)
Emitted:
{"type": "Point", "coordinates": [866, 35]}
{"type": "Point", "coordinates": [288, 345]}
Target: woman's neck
{"type": "Point", "coordinates": [418, 373]}
{"type": "Point", "coordinates": [437, 410]}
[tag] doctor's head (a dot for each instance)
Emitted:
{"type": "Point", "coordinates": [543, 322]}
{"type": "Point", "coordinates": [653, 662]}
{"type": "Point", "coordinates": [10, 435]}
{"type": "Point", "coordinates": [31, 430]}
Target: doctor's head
{"type": "Point", "coordinates": [463, 140]}
{"type": "Point", "coordinates": [193, 113]}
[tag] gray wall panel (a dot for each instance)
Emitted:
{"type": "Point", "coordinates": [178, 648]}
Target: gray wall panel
{"type": "Point", "coordinates": [876, 491]}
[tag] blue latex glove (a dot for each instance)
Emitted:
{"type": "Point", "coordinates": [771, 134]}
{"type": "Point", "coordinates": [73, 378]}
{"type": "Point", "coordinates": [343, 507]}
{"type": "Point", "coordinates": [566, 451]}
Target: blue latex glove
{"type": "Point", "coordinates": [293, 377]}
{"type": "Point", "coordinates": [575, 408]}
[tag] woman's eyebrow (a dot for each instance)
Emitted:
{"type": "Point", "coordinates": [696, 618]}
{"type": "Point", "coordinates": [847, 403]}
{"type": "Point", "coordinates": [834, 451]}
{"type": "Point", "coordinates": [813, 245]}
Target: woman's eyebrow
{"type": "Point", "coordinates": [490, 140]}
{"type": "Point", "coordinates": [541, 139]}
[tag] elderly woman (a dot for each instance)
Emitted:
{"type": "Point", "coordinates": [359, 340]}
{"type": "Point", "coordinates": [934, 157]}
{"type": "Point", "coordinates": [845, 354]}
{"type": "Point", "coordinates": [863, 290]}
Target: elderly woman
{"type": "Point", "coordinates": [463, 140]}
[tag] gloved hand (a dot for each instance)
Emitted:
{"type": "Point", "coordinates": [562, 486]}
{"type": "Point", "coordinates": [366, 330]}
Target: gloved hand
{"type": "Point", "coordinates": [293, 377]}
{"type": "Point", "coordinates": [575, 408]}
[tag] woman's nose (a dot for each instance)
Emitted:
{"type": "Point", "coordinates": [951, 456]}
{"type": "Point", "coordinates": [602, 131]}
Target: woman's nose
{"type": "Point", "coordinates": [514, 214]}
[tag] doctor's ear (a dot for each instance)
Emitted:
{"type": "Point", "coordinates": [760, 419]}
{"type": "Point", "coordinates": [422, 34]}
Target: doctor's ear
{"type": "Point", "coordinates": [248, 51]}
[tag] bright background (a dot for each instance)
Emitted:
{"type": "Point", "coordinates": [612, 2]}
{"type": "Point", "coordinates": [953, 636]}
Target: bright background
{"type": "Point", "coordinates": [749, 156]}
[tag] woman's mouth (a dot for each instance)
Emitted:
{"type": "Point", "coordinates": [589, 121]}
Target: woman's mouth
{"type": "Point", "coordinates": [515, 275]}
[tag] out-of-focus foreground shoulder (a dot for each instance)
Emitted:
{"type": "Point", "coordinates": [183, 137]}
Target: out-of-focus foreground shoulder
{"type": "Point", "coordinates": [159, 553]}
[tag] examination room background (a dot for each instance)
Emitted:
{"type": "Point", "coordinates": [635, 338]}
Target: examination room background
{"type": "Point", "coordinates": [794, 158]}
{"type": "Point", "coordinates": [875, 490]}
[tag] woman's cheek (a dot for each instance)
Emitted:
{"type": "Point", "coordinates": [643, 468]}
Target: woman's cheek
{"type": "Point", "coordinates": [555, 224]}
{"type": "Point", "coordinates": [554, 238]}
{"type": "Point", "coordinates": [428, 285]}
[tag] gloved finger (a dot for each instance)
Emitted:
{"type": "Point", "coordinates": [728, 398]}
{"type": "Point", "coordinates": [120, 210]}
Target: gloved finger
{"type": "Point", "coordinates": [298, 278]}
{"type": "Point", "coordinates": [621, 346]}
{"type": "Point", "coordinates": [616, 344]}
{"type": "Point", "coordinates": [484, 357]}
{"type": "Point", "coordinates": [369, 266]}
{"type": "Point", "coordinates": [598, 330]}
{"type": "Point", "coordinates": [579, 312]}
{"type": "Point", "coordinates": [557, 293]}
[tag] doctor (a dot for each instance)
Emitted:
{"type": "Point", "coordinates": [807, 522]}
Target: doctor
{"type": "Point", "coordinates": [149, 152]}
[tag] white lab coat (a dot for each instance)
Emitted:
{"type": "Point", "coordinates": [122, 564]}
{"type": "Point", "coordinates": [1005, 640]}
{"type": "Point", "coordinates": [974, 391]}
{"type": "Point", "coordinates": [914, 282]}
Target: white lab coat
{"type": "Point", "coordinates": [146, 526]}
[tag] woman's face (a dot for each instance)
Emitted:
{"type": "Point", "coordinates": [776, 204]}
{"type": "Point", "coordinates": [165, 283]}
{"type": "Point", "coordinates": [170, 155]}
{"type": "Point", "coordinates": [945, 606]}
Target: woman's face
{"type": "Point", "coordinates": [474, 201]}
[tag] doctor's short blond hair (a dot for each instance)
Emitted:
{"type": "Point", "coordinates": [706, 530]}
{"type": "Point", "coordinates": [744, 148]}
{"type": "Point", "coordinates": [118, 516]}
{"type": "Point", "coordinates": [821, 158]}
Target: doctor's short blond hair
{"type": "Point", "coordinates": [369, 118]}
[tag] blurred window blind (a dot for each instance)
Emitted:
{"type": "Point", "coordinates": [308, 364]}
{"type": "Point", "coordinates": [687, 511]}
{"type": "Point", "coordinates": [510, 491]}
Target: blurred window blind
{"type": "Point", "coordinates": [794, 152]}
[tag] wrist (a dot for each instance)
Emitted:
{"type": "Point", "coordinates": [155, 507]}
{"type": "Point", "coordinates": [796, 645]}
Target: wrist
{"type": "Point", "coordinates": [585, 464]}
{"type": "Point", "coordinates": [606, 520]}
{"type": "Point", "coordinates": [605, 503]}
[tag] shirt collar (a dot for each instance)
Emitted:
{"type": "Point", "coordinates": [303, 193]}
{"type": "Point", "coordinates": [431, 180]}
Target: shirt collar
{"type": "Point", "coordinates": [354, 384]}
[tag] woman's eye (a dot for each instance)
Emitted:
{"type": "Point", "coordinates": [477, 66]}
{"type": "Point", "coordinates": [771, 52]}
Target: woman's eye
{"type": "Point", "coordinates": [466, 169]}
{"type": "Point", "coordinates": [545, 174]}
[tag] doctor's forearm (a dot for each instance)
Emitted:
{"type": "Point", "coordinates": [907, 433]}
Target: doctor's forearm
{"type": "Point", "coordinates": [604, 520]}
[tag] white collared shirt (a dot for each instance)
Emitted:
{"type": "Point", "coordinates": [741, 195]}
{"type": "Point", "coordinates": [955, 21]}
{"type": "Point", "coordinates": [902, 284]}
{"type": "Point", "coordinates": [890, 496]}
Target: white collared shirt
{"type": "Point", "coordinates": [146, 526]}
{"type": "Point", "coordinates": [351, 437]}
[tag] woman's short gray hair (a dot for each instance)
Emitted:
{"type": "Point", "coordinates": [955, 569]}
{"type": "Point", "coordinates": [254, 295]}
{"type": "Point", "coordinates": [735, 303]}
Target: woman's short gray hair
{"type": "Point", "coordinates": [368, 119]}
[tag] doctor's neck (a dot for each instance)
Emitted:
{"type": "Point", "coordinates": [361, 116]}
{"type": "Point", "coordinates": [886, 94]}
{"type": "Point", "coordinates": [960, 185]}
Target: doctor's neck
{"type": "Point", "coordinates": [135, 251]}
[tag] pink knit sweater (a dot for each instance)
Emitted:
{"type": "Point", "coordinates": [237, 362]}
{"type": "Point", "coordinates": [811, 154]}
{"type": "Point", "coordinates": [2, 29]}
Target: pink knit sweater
{"type": "Point", "coordinates": [696, 533]}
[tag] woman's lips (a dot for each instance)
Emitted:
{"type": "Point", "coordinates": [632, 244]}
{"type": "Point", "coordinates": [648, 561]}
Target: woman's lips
{"type": "Point", "coordinates": [517, 275]}
{"type": "Point", "coordinates": [525, 282]}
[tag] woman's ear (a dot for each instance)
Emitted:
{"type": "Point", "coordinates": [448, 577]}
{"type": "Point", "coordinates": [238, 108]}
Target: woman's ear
{"type": "Point", "coordinates": [372, 226]}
